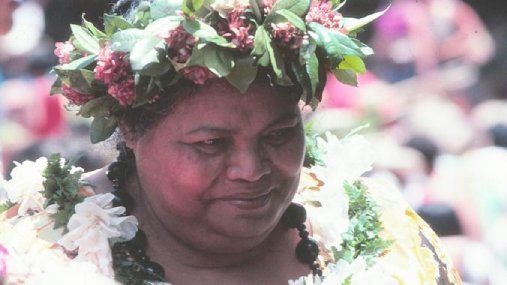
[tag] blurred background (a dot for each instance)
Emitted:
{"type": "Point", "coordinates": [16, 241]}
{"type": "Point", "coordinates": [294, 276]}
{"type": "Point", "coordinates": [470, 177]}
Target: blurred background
{"type": "Point", "coordinates": [435, 99]}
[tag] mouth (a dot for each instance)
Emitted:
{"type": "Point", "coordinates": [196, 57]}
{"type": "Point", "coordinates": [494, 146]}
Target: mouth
{"type": "Point", "coordinates": [247, 203]}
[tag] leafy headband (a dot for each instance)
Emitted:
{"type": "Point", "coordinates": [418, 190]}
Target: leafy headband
{"type": "Point", "coordinates": [135, 60]}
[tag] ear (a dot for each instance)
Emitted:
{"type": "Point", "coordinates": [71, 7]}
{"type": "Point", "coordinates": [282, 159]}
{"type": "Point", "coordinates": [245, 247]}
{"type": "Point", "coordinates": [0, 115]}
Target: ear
{"type": "Point", "coordinates": [129, 135]}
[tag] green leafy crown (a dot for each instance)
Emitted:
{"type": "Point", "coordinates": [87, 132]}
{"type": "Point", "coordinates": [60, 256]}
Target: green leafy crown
{"type": "Point", "coordinates": [135, 59]}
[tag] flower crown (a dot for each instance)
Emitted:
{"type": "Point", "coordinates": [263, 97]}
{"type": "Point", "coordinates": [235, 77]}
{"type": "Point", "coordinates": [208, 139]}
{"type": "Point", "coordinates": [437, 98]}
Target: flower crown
{"type": "Point", "coordinates": [136, 60]}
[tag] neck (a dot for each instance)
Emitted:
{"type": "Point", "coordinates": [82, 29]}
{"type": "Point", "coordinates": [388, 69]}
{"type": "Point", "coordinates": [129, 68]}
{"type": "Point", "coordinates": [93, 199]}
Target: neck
{"type": "Point", "coordinates": [177, 255]}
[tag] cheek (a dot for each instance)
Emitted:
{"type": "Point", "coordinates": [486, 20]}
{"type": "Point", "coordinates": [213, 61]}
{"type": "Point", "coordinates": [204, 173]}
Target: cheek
{"type": "Point", "coordinates": [176, 179]}
{"type": "Point", "coordinates": [289, 158]}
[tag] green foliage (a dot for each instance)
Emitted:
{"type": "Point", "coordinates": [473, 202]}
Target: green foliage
{"type": "Point", "coordinates": [84, 40]}
{"type": "Point", "coordinates": [243, 73]}
{"type": "Point", "coordinates": [346, 76]}
{"type": "Point", "coordinates": [98, 107]}
{"type": "Point", "coordinates": [298, 7]}
{"type": "Point", "coordinates": [363, 236]}
{"type": "Point", "coordinates": [61, 187]}
{"type": "Point", "coordinates": [314, 153]}
{"type": "Point", "coordinates": [351, 24]}
{"type": "Point", "coordinates": [79, 63]}
{"type": "Point", "coordinates": [5, 206]}
{"type": "Point", "coordinates": [102, 128]}
{"type": "Point", "coordinates": [115, 23]}
{"type": "Point", "coordinates": [162, 8]}
{"type": "Point", "coordinates": [205, 33]}
{"type": "Point", "coordinates": [155, 70]}
{"type": "Point", "coordinates": [81, 80]}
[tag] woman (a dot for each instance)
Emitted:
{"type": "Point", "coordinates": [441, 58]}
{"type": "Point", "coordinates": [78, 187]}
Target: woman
{"type": "Point", "coordinates": [207, 102]}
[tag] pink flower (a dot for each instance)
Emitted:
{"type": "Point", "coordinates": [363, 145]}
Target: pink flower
{"type": "Point", "coordinates": [3, 261]}
{"type": "Point", "coordinates": [322, 12]}
{"type": "Point", "coordinates": [63, 51]}
{"type": "Point", "coordinates": [180, 44]}
{"type": "Point", "coordinates": [197, 74]}
{"type": "Point", "coordinates": [287, 35]}
{"type": "Point", "coordinates": [237, 29]}
{"type": "Point", "coordinates": [113, 68]}
{"type": "Point", "coordinates": [75, 97]}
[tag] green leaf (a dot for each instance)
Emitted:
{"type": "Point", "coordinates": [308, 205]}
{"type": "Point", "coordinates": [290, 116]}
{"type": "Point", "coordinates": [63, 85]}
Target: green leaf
{"type": "Point", "coordinates": [56, 88]}
{"type": "Point", "coordinates": [102, 128]}
{"type": "Point", "coordinates": [98, 107]}
{"type": "Point", "coordinates": [205, 32]}
{"type": "Point", "coordinates": [145, 90]}
{"type": "Point", "coordinates": [93, 30]}
{"type": "Point", "coordinates": [85, 39]}
{"type": "Point", "coordinates": [275, 58]}
{"type": "Point", "coordinates": [353, 63]}
{"type": "Point", "coordinates": [80, 80]}
{"type": "Point", "coordinates": [217, 60]}
{"type": "Point", "coordinates": [312, 69]}
{"type": "Point", "coordinates": [254, 5]}
{"type": "Point", "coordinates": [113, 23]}
{"type": "Point", "coordinates": [146, 56]}
{"type": "Point", "coordinates": [303, 79]}
{"type": "Point", "coordinates": [348, 77]}
{"type": "Point", "coordinates": [260, 50]}
{"type": "Point", "coordinates": [259, 41]}
{"type": "Point", "coordinates": [293, 18]}
{"type": "Point", "coordinates": [168, 23]}
{"type": "Point", "coordinates": [243, 73]}
{"type": "Point", "coordinates": [189, 7]}
{"type": "Point", "coordinates": [125, 40]}
{"type": "Point", "coordinates": [351, 24]}
{"type": "Point", "coordinates": [162, 8]}
{"type": "Point", "coordinates": [298, 7]}
{"type": "Point", "coordinates": [79, 63]}
{"type": "Point", "coordinates": [334, 43]}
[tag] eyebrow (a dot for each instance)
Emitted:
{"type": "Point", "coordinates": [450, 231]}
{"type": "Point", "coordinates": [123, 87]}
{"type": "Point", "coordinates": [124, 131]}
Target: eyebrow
{"type": "Point", "coordinates": [211, 128]}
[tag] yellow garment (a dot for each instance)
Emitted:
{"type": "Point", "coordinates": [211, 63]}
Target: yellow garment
{"type": "Point", "coordinates": [415, 256]}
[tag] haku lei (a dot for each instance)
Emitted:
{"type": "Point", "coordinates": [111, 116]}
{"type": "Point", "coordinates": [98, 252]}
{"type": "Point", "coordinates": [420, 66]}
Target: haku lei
{"type": "Point", "coordinates": [136, 60]}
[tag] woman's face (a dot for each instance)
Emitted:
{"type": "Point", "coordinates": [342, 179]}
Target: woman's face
{"type": "Point", "coordinates": [222, 166]}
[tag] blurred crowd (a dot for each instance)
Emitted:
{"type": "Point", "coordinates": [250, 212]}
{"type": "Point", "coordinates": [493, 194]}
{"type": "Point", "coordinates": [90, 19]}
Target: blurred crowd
{"type": "Point", "coordinates": [435, 100]}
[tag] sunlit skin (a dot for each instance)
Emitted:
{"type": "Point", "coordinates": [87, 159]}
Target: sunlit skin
{"type": "Point", "coordinates": [214, 178]}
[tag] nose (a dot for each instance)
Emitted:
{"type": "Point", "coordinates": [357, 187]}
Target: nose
{"type": "Point", "coordinates": [248, 164]}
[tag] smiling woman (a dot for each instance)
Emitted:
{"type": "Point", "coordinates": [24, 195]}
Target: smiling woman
{"type": "Point", "coordinates": [205, 186]}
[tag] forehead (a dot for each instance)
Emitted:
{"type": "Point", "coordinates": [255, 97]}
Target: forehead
{"type": "Point", "coordinates": [221, 105]}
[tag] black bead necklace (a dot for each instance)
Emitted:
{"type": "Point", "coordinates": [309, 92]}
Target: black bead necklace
{"type": "Point", "coordinates": [131, 264]}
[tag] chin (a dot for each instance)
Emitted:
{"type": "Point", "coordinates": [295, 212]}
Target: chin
{"type": "Point", "coordinates": [248, 224]}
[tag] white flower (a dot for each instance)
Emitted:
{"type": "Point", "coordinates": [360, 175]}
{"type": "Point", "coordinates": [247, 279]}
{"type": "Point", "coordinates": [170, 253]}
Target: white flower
{"type": "Point", "coordinates": [224, 7]}
{"type": "Point", "coordinates": [359, 273]}
{"type": "Point", "coordinates": [25, 186]}
{"type": "Point", "coordinates": [345, 160]}
{"type": "Point", "coordinates": [91, 227]}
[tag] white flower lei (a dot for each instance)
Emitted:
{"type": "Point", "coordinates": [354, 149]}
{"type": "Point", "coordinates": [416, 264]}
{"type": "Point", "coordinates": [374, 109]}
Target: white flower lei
{"type": "Point", "coordinates": [95, 222]}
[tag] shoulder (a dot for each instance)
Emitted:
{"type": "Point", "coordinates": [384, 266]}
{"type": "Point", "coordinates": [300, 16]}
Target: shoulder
{"type": "Point", "coordinates": [98, 180]}
{"type": "Point", "coordinates": [416, 254]}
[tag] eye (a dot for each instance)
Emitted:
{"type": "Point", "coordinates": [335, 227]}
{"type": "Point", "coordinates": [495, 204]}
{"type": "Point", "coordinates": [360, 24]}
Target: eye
{"type": "Point", "coordinates": [280, 136]}
{"type": "Point", "coordinates": [211, 146]}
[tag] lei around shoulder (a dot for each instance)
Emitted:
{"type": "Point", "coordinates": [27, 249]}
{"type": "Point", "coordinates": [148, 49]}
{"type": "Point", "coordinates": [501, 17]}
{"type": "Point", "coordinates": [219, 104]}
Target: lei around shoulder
{"type": "Point", "coordinates": [135, 60]}
{"type": "Point", "coordinates": [54, 228]}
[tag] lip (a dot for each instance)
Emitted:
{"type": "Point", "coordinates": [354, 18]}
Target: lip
{"type": "Point", "coordinates": [247, 201]}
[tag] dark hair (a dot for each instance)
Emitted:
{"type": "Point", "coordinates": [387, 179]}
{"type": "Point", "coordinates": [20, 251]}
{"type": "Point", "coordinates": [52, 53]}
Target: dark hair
{"type": "Point", "coordinates": [499, 135]}
{"type": "Point", "coordinates": [427, 148]}
{"type": "Point", "coordinates": [442, 219]}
